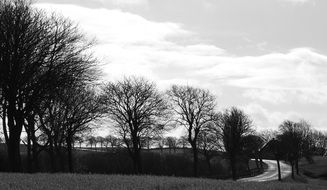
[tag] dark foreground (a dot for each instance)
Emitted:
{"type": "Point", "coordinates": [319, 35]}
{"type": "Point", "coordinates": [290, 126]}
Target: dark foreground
{"type": "Point", "coordinates": [119, 182]}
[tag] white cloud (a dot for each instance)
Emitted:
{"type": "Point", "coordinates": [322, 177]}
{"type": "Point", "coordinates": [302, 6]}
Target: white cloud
{"type": "Point", "coordinates": [129, 44]}
{"type": "Point", "coordinates": [297, 1]}
{"type": "Point", "coordinates": [101, 3]}
{"type": "Point", "coordinates": [267, 119]}
{"type": "Point", "coordinates": [126, 2]}
{"type": "Point", "coordinates": [306, 97]}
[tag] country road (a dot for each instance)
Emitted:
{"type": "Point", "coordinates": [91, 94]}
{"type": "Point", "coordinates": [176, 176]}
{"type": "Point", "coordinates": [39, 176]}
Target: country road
{"type": "Point", "coordinates": [271, 173]}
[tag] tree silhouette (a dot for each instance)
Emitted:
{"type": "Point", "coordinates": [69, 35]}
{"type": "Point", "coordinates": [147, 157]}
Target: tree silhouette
{"type": "Point", "coordinates": [252, 145]}
{"type": "Point", "coordinates": [68, 115]}
{"type": "Point", "coordinates": [194, 108]}
{"type": "Point", "coordinates": [138, 110]}
{"type": "Point", "coordinates": [38, 55]}
{"type": "Point", "coordinates": [296, 138]}
{"type": "Point", "coordinates": [209, 143]}
{"type": "Point", "coordinates": [171, 142]}
{"type": "Point", "coordinates": [235, 125]}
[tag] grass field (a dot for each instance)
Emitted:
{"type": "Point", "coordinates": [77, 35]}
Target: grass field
{"type": "Point", "coordinates": [119, 182]}
{"type": "Point", "coordinates": [317, 169]}
{"type": "Point", "coordinates": [315, 172]}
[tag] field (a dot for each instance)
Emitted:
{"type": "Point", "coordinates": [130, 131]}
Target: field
{"type": "Point", "coordinates": [317, 169]}
{"type": "Point", "coordinates": [160, 162]}
{"type": "Point", "coordinates": [315, 172]}
{"type": "Point", "coordinates": [119, 182]}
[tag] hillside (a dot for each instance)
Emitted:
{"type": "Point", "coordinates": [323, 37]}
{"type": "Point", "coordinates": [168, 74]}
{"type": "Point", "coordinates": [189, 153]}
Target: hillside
{"type": "Point", "coordinates": [119, 182]}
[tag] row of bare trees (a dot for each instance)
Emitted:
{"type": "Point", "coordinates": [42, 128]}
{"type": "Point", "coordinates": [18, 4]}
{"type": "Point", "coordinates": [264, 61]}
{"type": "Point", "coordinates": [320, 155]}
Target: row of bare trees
{"type": "Point", "coordinates": [48, 89]}
{"type": "Point", "coordinates": [139, 111]}
{"type": "Point", "coordinates": [296, 140]}
{"type": "Point", "coordinates": [46, 72]}
{"type": "Point", "coordinates": [90, 141]}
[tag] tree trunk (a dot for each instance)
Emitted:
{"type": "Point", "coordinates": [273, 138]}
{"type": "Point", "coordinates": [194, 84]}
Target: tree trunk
{"type": "Point", "coordinates": [248, 166]}
{"type": "Point", "coordinates": [4, 124]}
{"type": "Point", "coordinates": [15, 125]}
{"type": "Point", "coordinates": [209, 164]}
{"type": "Point", "coordinates": [29, 152]}
{"type": "Point", "coordinates": [292, 164]}
{"type": "Point", "coordinates": [233, 167]}
{"type": "Point", "coordinates": [257, 162]}
{"type": "Point", "coordinates": [279, 173]}
{"type": "Point", "coordinates": [52, 156]}
{"type": "Point", "coordinates": [60, 155]}
{"type": "Point", "coordinates": [195, 160]}
{"type": "Point", "coordinates": [261, 163]}
{"type": "Point", "coordinates": [137, 162]}
{"type": "Point", "coordinates": [14, 152]}
{"type": "Point", "coordinates": [32, 145]}
{"type": "Point", "coordinates": [70, 155]}
{"type": "Point", "coordinates": [135, 152]}
{"type": "Point", "coordinates": [297, 166]}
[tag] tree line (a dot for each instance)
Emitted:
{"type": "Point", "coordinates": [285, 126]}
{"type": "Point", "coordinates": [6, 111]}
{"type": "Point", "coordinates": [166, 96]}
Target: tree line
{"type": "Point", "coordinates": [50, 90]}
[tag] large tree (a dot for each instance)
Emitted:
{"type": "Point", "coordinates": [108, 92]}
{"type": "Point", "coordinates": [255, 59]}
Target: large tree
{"type": "Point", "coordinates": [252, 146]}
{"type": "Point", "coordinates": [296, 137]}
{"type": "Point", "coordinates": [235, 125]}
{"type": "Point", "coordinates": [194, 108]}
{"type": "Point", "coordinates": [209, 143]}
{"type": "Point", "coordinates": [138, 110]}
{"type": "Point", "coordinates": [38, 54]}
{"type": "Point", "coordinates": [69, 115]}
{"type": "Point", "coordinates": [277, 148]}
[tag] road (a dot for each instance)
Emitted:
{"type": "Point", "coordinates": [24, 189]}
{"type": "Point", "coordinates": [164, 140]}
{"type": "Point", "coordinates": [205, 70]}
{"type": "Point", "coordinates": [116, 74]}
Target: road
{"type": "Point", "coordinates": [271, 173]}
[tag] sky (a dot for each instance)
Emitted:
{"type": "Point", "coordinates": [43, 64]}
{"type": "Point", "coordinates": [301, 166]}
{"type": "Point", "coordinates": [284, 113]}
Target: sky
{"type": "Point", "coordinates": [267, 57]}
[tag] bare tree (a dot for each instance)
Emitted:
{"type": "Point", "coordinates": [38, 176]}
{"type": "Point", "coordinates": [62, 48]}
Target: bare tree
{"type": "Point", "coordinates": [79, 140]}
{"type": "Point", "coordinates": [194, 108]}
{"type": "Point", "coordinates": [160, 141]}
{"type": "Point", "coordinates": [91, 141]}
{"type": "Point", "coordinates": [252, 145]}
{"type": "Point", "coordinates": [320, 142]}
{"type": "Point", "coordinates": [267, 135]}
{"type": "Point", "coordinates": [114, 142]}
{"type": "Point", "coordinates": [69, 115]}
{"type": "Point", "coordinates": [296, 138]}
{"type": "Point", "coordinates": [275, 146]}
{"type": "Point", "coordinates": [182, 142]}
{"type": "Point", "coordinates": [171, 142]}
{"type": "Point", "coordinates": [81, 107]}
{"type": "Point", "coordinates": [235, 125]}
{"type": "Point", "coordinates": [138, 110]}
{"type": "Point", "coordinates": [38, 54]}
{"type": "Point", "coordinates": [209, 143]}
{"type": "Point", "coordinates": [100, 140]}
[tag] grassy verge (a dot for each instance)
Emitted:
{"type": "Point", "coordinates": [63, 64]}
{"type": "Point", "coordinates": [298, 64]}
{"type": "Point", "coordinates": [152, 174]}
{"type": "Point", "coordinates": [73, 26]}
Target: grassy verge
{"type": "Point", "coordinates": [315, 172]}
{"type": "Point", "coordinates": [119, 182]}
{"type": "Point", "coordinates": [316, 169]}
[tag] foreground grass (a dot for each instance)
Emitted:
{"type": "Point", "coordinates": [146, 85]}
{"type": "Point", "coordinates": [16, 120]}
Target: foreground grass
{"type": "Point", "coordinates": [119, 182]}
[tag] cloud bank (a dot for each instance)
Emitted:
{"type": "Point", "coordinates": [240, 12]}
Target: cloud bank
{"type": "Point", "coordinates": [167, 53]}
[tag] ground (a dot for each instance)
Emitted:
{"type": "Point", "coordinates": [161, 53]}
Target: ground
{"type": "Point", "coordinates": [315, 172]}
{"type": "Point", "coordinates": [119, 182]}
{"type": "Point", "coordinates": [315, 169]}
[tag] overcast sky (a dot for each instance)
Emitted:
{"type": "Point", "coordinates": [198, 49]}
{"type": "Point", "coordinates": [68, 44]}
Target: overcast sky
{"type": "Point", "coordinates": [268, 57]}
